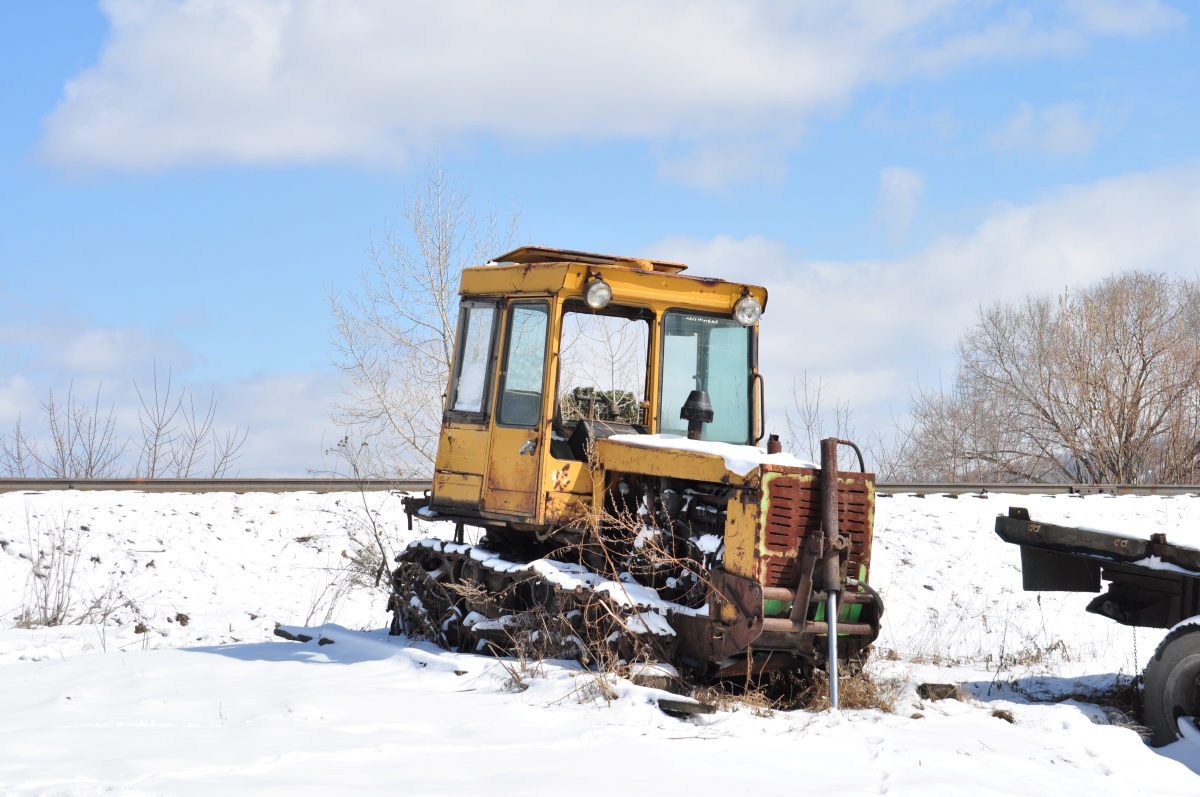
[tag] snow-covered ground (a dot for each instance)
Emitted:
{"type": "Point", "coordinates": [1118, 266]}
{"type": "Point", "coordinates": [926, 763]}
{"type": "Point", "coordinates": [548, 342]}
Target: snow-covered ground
{"type": "Point", "coordinates": [146, 704]}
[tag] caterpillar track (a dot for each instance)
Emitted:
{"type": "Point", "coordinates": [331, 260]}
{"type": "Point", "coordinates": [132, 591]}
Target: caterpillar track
{"type": "Point", "coordinates": [470, 599]}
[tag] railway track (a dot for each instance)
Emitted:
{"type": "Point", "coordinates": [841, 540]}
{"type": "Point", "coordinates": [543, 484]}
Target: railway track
{"type": "Point", "coordinates": [213, 485]}
{"type": "Point", "coordinates": [329, 485]}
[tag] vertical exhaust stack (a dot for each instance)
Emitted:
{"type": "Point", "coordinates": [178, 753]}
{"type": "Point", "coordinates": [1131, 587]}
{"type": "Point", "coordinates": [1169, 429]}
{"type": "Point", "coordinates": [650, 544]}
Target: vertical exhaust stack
{"type": "Point", "coordinates": [697, 411]}
{"type": "Point", "coordinates": [831, 564]}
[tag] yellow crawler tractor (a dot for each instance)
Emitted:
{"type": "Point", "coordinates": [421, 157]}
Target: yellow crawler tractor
{"type": "Point", "coordinates": [600, 442]}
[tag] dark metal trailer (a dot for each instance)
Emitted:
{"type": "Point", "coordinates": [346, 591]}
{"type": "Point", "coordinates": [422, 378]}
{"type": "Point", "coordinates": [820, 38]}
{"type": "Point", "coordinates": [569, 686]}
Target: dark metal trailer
{"type": "Point", "coordinates": [1151, 584]}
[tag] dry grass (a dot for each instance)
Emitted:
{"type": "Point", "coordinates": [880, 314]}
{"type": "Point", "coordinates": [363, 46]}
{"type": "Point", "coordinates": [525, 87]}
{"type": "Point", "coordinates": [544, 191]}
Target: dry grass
{"type": "Point", "coordinates": [54, 552]}
{"type": "Point", "coordinates": [790, 691]}
{"type": "Point", "coordinates": [727, 696]}
{"type": "Point", "coordinates": [855, 692]}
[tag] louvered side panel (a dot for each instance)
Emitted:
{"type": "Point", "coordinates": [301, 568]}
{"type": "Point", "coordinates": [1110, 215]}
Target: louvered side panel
{"type": "Point", "coordinates": [791, 510]}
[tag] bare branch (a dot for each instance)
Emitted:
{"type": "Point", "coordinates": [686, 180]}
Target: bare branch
{"type": "Point", "coordinates": [18, 454]}
{"type": "Point", "coordinates": [1097, 387]}
{"type": "Point", "coordinates": [83, 445]}
{"type": "Point", "coordinates": [394, 339]}
{"type": "Point", "coordinates": [158, 435]}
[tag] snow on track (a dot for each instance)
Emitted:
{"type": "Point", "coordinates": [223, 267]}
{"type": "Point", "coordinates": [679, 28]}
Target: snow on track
{"type": "Point", "coordinates": [221, 705]}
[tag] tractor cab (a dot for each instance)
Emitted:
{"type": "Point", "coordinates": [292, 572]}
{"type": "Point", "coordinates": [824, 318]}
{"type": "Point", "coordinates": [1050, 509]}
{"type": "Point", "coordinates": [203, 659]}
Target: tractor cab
{"type": "Point", "coordinates": [558, 349]}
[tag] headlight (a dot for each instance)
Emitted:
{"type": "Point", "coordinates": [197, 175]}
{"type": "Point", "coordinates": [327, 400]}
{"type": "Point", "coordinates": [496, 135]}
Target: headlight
{"type": "Point", "coordinates": [597, 294]}
{"type": "Point", "coordinates": [747, 311]}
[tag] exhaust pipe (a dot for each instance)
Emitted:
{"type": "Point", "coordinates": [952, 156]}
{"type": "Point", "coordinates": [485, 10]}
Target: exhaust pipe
{"type": "Point", "coordinates": [831, 564]}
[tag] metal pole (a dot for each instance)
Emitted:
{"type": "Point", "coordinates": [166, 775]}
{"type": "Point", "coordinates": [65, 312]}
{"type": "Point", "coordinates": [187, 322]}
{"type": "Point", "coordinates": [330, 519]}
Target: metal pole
{"type": "Point", "coordinates": [831, 613]}
{"type": "Point", "coordinates": [831, 565]}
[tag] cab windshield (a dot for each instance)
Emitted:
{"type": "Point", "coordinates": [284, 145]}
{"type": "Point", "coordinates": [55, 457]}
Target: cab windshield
{"type": "Point", "coordinates": [709, 353]}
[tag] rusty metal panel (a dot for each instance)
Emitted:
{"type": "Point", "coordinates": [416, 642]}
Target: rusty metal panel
{"type": "Point", "coordinates": [856, 518]}
{"type": "Point", "coordinates": [741, 535]}
{"type": "Point", "coordinates": [790, 514]}
{"type": "Point", "coordinates": [565, 509]}
{"type": "Point", "coordinates": [791, 510]}
{"type": "Point", "coordinates": [508, 280]}
{"type": "Point", "coordinates": [564, 476]}
{"type": "Point", "coordinates": [569, 491]}
{"type": "Point", "coordinates": [542, 254]}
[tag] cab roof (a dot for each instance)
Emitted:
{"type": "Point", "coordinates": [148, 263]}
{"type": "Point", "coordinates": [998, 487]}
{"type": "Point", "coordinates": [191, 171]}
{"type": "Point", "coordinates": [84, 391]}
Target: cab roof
{"type": "Point", "coordinates": [540, 271]}
{"type": "Point", "coordinates": [528, 255]}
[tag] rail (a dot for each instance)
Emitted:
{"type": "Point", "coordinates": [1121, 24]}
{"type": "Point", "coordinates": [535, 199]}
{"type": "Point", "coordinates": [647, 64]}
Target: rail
{"type": "Point", "coordinates": [1025, 488]}
{"type": "Point", "coordinates": [212, 485]}
{"type": "Point", "coordinates": [329, 485]}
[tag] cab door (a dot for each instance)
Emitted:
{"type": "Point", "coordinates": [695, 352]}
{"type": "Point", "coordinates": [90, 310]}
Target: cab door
{"type": "Point", "coordinates": [461, 464]}
{"type": "Point", "coordinates": [514, 454]}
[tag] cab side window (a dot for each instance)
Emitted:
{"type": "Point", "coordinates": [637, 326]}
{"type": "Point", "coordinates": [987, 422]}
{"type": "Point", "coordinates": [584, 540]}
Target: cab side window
{"type": "Point", "coordinates": [524, 364]}
{"type": "Point", "coordinates": [473, 357]}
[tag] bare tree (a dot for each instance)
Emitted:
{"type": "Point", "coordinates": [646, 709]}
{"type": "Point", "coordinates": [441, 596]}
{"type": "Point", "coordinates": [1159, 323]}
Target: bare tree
{"type": "Point", "coordinates": [1099, 386]}
{"type": "Point", "coordinates": [394, 340]}
{"type": "Point", "coordinates": [176, 440]}
{"type": "Point", "coordinates": [18, 454]}
{"type": "Point", "coordinates": [809, 420]}
{"type": "Point", "coordinates": [889, 453]}
{"type": "Point", "coordinates": [83, 444]}
{"type": "Point", "coordinates": [156, 420]}
{"type": "Point", "coordinates": [350, 460]}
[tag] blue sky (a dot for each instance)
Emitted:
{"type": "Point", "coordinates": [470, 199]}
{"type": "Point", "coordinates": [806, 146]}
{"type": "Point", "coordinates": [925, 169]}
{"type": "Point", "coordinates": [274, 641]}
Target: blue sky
{"type": "Point", "coordinates": [185, 181]}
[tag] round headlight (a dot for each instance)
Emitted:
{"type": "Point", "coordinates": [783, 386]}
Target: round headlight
{"type": "Point", "coordinates": [597, 294]}
{"type": "Point", "coordinates": [747, 311]}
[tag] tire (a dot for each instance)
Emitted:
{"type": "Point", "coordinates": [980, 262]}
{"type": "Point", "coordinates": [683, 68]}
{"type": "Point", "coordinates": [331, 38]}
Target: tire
{"type": "Point", "coordinates": [1172, 684]}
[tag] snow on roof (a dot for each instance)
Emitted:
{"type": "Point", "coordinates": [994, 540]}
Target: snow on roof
{"type": "Point", "coordinates": [738, 459]}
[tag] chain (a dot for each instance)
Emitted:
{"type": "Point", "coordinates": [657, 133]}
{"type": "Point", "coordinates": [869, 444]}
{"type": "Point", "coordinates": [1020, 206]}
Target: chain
{"type": "Point", "coordinates": [1136, 669]}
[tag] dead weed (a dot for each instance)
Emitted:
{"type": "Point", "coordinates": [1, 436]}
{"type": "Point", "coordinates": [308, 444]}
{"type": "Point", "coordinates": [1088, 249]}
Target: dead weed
{"type": "Point", "coordinates": [789, 691]}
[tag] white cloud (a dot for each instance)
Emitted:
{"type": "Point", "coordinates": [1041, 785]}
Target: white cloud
{"type": "Point", "coordinates": [294, 81]}
{"type": "Point", "coordinates": [870, 328]}
{"type": "Point", "coordinates": [712, 166]}
{"type": "Point", "coordinates": [900, 192]}
{"type": "Point", "coordinates": [1055, 130]}
{"type": "Point", "coordinates": [70, 347]}
{"type": "Point", "coordinates": [287, 416]}
{"type": "Point", "coordinates": [1126, 17]}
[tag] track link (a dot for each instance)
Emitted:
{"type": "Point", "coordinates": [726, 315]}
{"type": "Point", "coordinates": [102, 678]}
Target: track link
{"type": "Point", "coordinates": [467, 598]}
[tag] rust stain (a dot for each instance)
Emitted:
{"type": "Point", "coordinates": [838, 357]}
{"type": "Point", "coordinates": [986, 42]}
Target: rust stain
{"type": "Point", "coordinates": [562, 478]}
{"type": "Point", "coordinates": [793, 511]}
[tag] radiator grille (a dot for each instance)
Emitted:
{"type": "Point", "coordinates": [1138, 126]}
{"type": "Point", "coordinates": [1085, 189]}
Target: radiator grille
{"type": "Point", "coordinates": [794, 510]}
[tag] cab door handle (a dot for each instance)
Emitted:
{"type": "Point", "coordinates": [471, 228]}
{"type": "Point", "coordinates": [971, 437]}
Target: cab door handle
{"type": "Point", "coordinates": [528, 448]}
